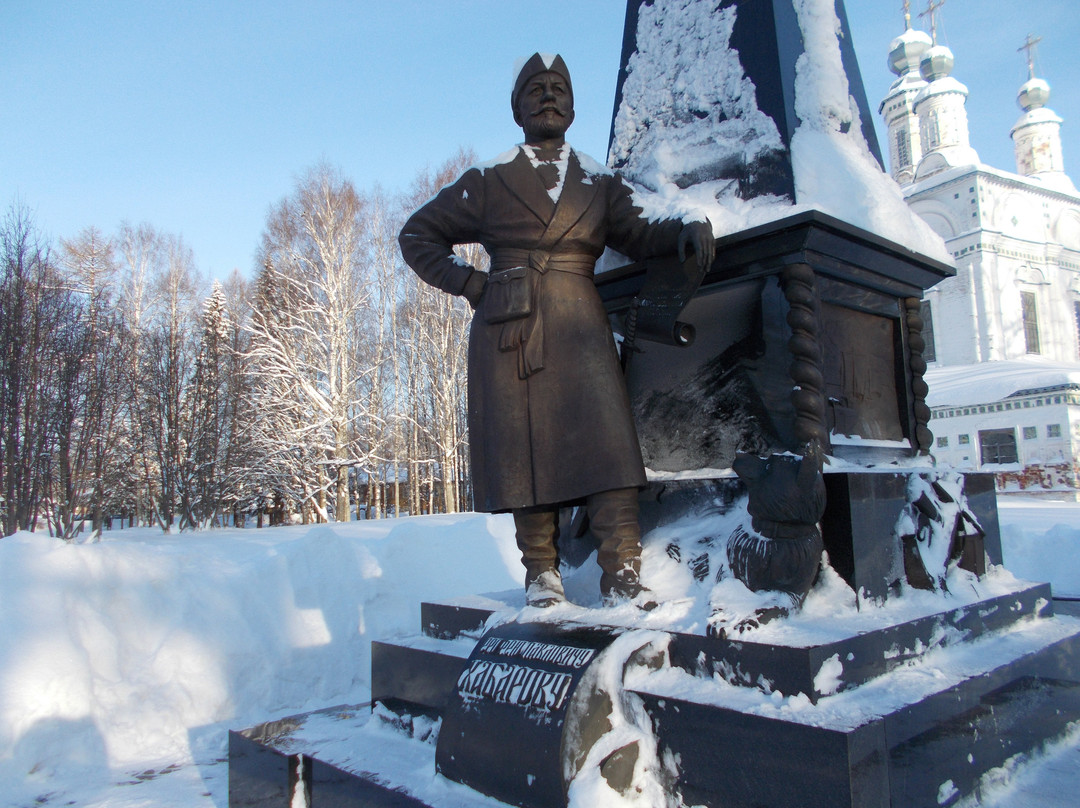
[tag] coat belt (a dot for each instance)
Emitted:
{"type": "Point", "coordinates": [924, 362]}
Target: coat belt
{"type": "Point", "coordinates": [542, 261]}
{"type": "Point", "coordinates": [526, 335]}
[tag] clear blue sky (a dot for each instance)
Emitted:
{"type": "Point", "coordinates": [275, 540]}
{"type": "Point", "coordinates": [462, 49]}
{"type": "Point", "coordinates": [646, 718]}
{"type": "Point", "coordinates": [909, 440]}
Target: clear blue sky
{"type": "Point", "coordinates": [197, 116]}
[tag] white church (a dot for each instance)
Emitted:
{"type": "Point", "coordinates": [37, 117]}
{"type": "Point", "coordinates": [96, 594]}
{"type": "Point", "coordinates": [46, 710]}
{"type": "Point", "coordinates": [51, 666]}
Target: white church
{"type": "Point", "coordinates": [1003, 336]}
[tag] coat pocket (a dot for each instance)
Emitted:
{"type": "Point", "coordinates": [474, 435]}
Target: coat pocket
{"type": "Point", "coordinates": [508, 295]}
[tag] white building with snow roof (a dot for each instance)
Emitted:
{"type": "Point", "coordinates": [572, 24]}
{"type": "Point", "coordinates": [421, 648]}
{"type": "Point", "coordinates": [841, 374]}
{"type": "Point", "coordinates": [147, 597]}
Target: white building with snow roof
{"type": "Point", "coordinates": [1004, 334]}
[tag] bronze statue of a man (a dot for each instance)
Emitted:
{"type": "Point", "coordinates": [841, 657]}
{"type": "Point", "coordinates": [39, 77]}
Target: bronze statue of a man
{"type": "Point", "coordinates": [549, 415]}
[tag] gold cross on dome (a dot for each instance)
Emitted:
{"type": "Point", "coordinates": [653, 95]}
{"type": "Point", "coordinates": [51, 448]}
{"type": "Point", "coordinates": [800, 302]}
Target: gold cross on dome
{"type": "Point", "coordinates": [931, 11]}
{"type": "Point", "coordinates": [1029, 45]}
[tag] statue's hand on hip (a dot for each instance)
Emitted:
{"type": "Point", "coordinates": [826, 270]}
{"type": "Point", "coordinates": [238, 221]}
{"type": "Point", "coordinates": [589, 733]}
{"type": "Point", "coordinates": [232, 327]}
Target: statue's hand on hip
{"type": "Point", "coordinates": [474, 288]}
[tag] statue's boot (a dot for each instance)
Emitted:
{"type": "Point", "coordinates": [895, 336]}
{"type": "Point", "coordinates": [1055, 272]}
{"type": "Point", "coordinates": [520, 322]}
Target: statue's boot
{"type": "Point", "coordinates": [537, 532]}
{"type": "Point", "coordinates": [613, 520]}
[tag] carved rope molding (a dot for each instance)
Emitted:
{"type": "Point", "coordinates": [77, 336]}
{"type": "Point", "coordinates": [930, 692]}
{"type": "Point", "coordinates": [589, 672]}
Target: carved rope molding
{"type": "Point", "coordinates": [924, 438]}
{"type": "Point", "coordinates": [808, 392]}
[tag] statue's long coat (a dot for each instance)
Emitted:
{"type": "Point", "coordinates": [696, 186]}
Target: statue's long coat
{"type": "Point", "coordinates": [553, 434]}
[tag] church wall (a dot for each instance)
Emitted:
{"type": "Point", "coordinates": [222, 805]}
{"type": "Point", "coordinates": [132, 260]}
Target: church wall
{"type": "Point", "coordinates": [1009, 309]}
{"type": "Point", "coordinates": [955, 320]}
{"type": "Point", "coordinates": [999, 308]}
{"type": "Point", "coordinates": [1062, 322]}
{"type": "Point", "coordinates": [1003, 233]}
{"type": "Point", "coordinates": [1066, 228]}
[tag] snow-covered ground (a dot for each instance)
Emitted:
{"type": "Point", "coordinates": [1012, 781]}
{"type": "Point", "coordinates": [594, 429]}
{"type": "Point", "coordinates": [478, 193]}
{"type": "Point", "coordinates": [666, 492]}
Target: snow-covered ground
{"type": "Point", "coordinates": [124, 664]}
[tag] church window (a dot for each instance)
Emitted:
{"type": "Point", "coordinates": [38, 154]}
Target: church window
{"type": "Point", "coordinates": [930, 351]}
{"type": "Point", "coordinates": [1076, 316]}
{"type": "Point", "coordinates": [1030, 316]}
{"type": "Point", "coordinates": [1053, 430]}
{"type": "Point", "coordinates": [1030, 433]}
{"type": "Point", "coordinates": [903, 148]}
{"type": "Point", "coordinates": [997, 445]}
{"type": "Point", "coordinates": [933, 131]}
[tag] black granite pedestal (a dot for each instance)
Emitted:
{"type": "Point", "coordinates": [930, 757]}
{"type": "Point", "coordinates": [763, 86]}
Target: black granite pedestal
{"type": "Point", "coordinates": [849, 746]}
{"type": "Point", "coordinates": [859, 526]}
{"type": "Point", "coordinates": [928, 750]}
{"type": "Point", "coordinates": [514, 723]}
{"type": "Point", "coordinates": [807, 329]}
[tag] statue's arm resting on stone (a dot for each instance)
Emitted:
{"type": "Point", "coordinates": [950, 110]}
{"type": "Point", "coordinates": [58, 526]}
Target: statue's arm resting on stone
{"type": "Point", "coordinates": [427, 240]}
{"type": "Point", "coordinates": [699, 237]}
{"type": "Point", "coordinates": [632, 234]}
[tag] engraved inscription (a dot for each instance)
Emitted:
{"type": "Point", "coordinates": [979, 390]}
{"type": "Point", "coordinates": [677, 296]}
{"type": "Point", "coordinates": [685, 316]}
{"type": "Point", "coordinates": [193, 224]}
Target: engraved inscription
{"type": "Point", "coordinates": [563, 655]}
{"type": "Point", "coordinates": [521, 685]}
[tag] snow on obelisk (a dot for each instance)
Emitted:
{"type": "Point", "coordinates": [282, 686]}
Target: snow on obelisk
{"type": "Point", "coordinates": [750, 112]}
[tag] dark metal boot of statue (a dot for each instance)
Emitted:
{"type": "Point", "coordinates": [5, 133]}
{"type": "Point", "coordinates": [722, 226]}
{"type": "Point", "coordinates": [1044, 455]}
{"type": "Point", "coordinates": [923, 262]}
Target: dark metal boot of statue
{"type": "Point", "coordinates": [613, 520]}
{"type": "Point", "coordinates": [537, 533]}
{"type": "Point", "coordinates": [781, 550]}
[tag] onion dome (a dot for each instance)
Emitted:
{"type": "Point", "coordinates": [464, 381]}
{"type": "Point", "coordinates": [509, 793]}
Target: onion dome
{"type": "Point", "coordinates": [1033, 94]}
{"type": "Point", "coordinates": [906, 50]}
{"type": "Point", "coordinates": [936, 63]}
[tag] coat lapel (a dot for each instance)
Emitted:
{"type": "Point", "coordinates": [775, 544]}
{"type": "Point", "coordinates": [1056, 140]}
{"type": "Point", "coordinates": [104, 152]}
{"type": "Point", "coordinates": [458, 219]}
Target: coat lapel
{"type": "Point", "coordinates": [521, 180]}
{"type": "Point", "coordinates": [575, 199]}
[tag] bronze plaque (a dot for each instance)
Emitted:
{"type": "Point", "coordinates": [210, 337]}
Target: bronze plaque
{"type": "Point", "coordinates": [860, 374]}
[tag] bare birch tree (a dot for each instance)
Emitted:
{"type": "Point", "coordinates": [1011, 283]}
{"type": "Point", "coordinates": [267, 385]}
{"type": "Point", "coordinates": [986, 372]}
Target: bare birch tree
{"type": "Point", "coordinates": [236, 455]}
{"type": "Point", "coordinates": [204, 419]}
{"type": "Point", "coordinates": [437, 336]}
{"type": "Point", "coordinates": [307, 349]}
{"type": "Point", "coordinates": [140, 249]}
{"type": "Point", "coordinates": [90, 390]}
{"type": "Point", "coordinates": [31, 313]}
{"type": "Point", "coordinates": [166, 358]}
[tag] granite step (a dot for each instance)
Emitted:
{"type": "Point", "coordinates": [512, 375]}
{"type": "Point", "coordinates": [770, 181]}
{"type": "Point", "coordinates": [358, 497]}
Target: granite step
{"type": "Point", "coordinates": [893, 742]}
{"type": "Point", "coordinates": [417, 673]}
{"type": "Point", "coordinates": [925, 733]}
{"type": "Point", "coordinates": [792, 669]}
